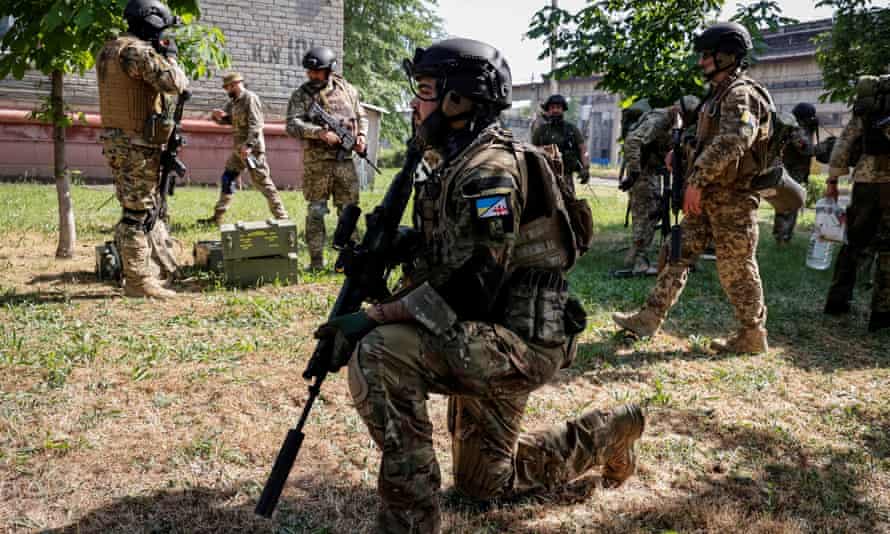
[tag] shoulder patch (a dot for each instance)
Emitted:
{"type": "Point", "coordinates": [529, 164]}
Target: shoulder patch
{"type": "Point", "coordinates": [492, 206]}
{"type": "Point", "coordinates": [488, 185]}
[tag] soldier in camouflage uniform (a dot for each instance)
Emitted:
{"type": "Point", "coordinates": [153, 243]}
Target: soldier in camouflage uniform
{"type": "Point", "coordinates": [245, 113]}
{"type": "Point", "coordinates": [484, 317]}
{"type": "Point", "coordinates": [645, 148]}
{"type": "Point", "coordinates": [732, 140]}
{"type": "Point", "coordinates": [136, 82]}
{"type": "Point", "coordinates": [553, 129]}
{"type": "Point", "coordinates": [796, 157]}
{"type": "Point", "coordinates": [868, 215]}
{"type": "Point", "coordinates": [326, 172]}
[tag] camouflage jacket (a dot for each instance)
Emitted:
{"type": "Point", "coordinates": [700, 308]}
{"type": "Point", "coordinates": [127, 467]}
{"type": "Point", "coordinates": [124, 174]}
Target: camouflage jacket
{"type": "Point", "coordinates": [245, 114]}
{"type": "Point", "coordinates": [563, 134]}
{"type": "Point", "coordinates": [339, 98]}
{"type": "Point", "coordinates": [732, 136]}
{"type": "Point", "coordinates": [870, 168]}
{"type": "Point", "coordinates": [648, 142]}
{"type": "Point", "coordinates": [798, 153]}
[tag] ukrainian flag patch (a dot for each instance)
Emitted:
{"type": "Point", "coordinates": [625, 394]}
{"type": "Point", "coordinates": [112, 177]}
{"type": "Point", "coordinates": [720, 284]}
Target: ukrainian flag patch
{"type": "Point", "coordinates": [493, 206]}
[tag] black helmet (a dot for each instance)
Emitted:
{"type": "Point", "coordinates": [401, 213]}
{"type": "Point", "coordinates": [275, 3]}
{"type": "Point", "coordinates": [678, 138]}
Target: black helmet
{"type": "Point", "coordinates": [320, 58]}
{"type": "Point", "coordinates": [555, 99]}
{"type": "Point", "coordinates": [470, 68]}
{"type": "Point", "coordinates": [804, 112]}
{"type": "Point", "coordinates": [148, 18]}
{"type": "Point", "coordinates": [728, 37]}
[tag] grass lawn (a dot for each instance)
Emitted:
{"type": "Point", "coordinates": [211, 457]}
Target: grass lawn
{"type": "Point", "coordinates": [131, 416]}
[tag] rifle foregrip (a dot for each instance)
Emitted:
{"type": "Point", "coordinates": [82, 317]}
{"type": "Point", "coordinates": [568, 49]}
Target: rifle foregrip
{"type": "Point", "coordinates": [280, 471]}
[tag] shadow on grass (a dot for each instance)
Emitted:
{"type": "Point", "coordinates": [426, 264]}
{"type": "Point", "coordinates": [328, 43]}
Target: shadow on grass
{"type": "Point", "coordinates": [41, 297]}
{"type": "Point", "coordinates": [68, 277]}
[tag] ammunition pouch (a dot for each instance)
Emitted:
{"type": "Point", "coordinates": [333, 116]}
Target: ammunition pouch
{"type": "Point", "coordinates": [157, 129]}
{"type": "Point", "coordinates": [535, 307]}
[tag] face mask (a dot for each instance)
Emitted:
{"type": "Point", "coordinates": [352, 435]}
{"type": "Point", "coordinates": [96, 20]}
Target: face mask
{"type": "Point", "coordinates": [433, 131]}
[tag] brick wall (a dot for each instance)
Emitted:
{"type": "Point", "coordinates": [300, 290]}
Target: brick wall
{"type": "Point", "coordinates": [265, 38]}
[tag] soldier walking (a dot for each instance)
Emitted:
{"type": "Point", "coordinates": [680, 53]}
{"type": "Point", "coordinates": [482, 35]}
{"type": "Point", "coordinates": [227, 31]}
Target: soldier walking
{"type": "Point", "coordinates": [244, 112]}
{"type": "Point", "coordinates": [645, 148]}
{"type": "Point", "coordinates": [553, 129]}
{"type": "Point", "coordinates": [326, 172]}
{"type": "Point", "coordinates": [483, 320]}
{"type": "Point", "coordinates": [868, 215]}
{"type": "Point", "coordinates": [732, 148]}
{"type": "Point", "coordinates": [138, 79]}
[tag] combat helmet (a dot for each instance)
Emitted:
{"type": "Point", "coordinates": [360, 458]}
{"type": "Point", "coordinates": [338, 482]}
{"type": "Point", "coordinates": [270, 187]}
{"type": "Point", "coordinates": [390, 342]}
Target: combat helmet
{"type": "Point", "coordinates": [805, 113]}
{"type": "Point", "coordinates": [148, 18]}
{"type": "Point", "coordinates": [320, 58]}
{"type": "Point", "coordinates": [467, 67]}
{"type": "Point", "coordinates": [555, 99]}
{"type": "Point", "coordinates": [729, 42]}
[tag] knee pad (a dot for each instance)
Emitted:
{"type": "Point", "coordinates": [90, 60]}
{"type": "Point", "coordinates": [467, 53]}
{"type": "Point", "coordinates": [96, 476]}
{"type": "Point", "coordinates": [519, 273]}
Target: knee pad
{"type": "Point", "coordinates": [228, 182]}
{"type": "Point", "coordinates": [317, 210]}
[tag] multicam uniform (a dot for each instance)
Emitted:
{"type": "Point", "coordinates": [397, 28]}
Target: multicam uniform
{"type": "Point", "coordinates": [644, 150]}
{"type": "Point", "coordinates": [732, 134]}
{"type": "Point", "coordinates": [563, 134]}
{"type": "Point", "coordinates": [796, 157]}
{"type": "Point", "coordinates": [324, 175]}
{"type": "Point", "coordinates": [868, 218]}
{"type": "Point", "coordinates": [245, 114]}
{"type": "Point", "coordinates": [135, 81]}
{"type": "Point", "coordinates": [478, 221]}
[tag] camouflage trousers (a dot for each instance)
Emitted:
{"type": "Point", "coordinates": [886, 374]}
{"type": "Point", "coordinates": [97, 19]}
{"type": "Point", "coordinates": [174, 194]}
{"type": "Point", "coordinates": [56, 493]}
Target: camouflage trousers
{"type": "Point", "coordinates": [868, 225]}
{"type": "Point", "coordinates": [261, 180]}
{"type": "Point", "coordinates": [136, 169]}
{"type": "Point", "coordinates": [783, 226]}
{"type": "Point", "coordinates": [732, 225]}
{"type": "Point", "coordinates": [643, 200]}
{"type": "Point", "coordinates": [323, 179]}
{"type": "Point", "coordinates": [488, 372]}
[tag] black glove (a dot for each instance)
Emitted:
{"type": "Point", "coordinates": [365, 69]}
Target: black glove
{"type": "Point", "coordinates": [584, 175]}
{"type": "Point", "coordinates": [343, 332]}
{"type": "Point", "coordinates": [629, 182]}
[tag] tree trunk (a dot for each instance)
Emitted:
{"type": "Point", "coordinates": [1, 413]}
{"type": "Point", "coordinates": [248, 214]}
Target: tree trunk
{"type": "Point", "coordinates": [67, 232]}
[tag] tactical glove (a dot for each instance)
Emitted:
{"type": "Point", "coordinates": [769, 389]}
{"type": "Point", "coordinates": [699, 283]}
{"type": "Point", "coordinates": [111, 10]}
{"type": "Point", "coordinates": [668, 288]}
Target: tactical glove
{"type": "Point", "coordinates": [344, 332]}
{"type": "Point", "coordinates": [628, 183]}
{"type": "Point", "coordinates": [584, 175]}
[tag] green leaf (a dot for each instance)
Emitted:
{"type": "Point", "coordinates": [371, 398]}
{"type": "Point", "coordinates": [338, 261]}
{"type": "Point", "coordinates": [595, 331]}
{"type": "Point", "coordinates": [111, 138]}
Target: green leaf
{"type": "Point", "coordinates": [84, 18]}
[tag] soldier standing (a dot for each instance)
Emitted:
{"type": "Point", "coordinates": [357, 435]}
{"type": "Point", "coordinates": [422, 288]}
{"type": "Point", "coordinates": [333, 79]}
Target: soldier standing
{"type": "Point", "coordinates": [797, 156]}
{"type": "Point", "coordinates": [732, 137]}
{"type": "Point", "coordinates": [244, 112]}
{"type": "Point", "coordinates": [326, 172]}
{"type": "Point", "coordinates": [138, 76]}
{"type": "Point", "coordinates": [483, 320]}
{"type": "Point", "coordinates": [868, 215]}
{"type": "Point", "coordinates": [645, 148]}
{"type": "Point", "coordinates": [553, 129]}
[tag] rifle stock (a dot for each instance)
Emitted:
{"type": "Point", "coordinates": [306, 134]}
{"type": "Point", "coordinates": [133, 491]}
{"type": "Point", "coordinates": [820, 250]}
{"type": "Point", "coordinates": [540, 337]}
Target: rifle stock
{"type": "Point", "coordinates": [366, 265]}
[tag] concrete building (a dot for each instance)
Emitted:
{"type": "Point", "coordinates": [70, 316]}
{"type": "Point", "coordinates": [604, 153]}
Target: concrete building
{"type": "Point", "coordinates": [266, 41]}
{"type": "Point", "coordinates": [787, 66]}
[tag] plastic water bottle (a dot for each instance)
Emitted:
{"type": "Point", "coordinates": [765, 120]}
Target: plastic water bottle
{"type": "Point", "coordinates": [827, 230]}
{"type": "Point", "coordinates": [819, 252]}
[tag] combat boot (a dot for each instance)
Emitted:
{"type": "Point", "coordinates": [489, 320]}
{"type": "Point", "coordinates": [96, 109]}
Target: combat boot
{"type": "Point", "coordinates": [630, 257]}
{"type": "Point", "coordinates": [644, 323]}
{"type": "Point", "coordinates": [878, 321]}
{"type": "Point", "coordinates": [745, 341]}
{"type": "Point", "coordinates": [215, 220]}
{"type": "Point", "coordinates": [624, 427]}
{"type": "Point", "coordinates": [316, 262]}
{"type": "Point", "coordinates": [148, 288]}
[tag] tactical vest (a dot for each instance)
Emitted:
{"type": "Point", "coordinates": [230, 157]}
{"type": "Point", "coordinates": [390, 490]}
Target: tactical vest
{"type": "Point", "coordinates": [124, 102]}
{"type": "Point", "coordinates": [337, 100]}
{"type": "Point", "coordinates": [756, 159]}
{"type": "Point", "coordinates": [561, 135]}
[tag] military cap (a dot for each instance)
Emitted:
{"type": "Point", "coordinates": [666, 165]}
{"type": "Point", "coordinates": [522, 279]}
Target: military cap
{"type": "Point", "coordinates": [232, 77]}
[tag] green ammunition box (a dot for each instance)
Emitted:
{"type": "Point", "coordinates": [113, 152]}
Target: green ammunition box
{"type": "Point", "coordinates": [209, 256]}
{"type": "Point", "coordinates": [258, 239]}
{"type": "Point", "coordinates": [253, 271]}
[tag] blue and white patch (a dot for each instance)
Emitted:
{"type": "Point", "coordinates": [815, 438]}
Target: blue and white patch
{"type": "Point", "coordinates": [493, 206]}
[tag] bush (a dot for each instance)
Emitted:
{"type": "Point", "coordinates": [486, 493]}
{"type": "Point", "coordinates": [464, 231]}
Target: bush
{"type": "Point", "coordinates": [815, 189]}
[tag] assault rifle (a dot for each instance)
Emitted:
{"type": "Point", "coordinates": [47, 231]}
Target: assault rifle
{"type": "Point", "coordinates": [367, 266]}
{"type": "Point", "coordinates": [171, 165]}
{"type": "Point", "coordinates": [317, 114]}
{"type": "Point", "coordinates": [677, 189]}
